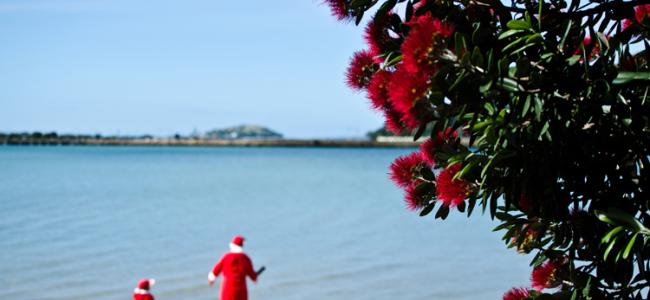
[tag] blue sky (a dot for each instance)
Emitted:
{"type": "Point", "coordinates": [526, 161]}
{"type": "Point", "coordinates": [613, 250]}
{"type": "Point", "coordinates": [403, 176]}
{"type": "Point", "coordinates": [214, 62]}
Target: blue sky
{"type": "Point", "coordinates": [161, 67]}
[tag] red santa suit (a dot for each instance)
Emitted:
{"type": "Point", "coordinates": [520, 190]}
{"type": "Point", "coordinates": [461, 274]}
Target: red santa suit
{"type": "Point", "coordinates": [235, 266]}
{"type": "Point", "coordinates": [142, 291]}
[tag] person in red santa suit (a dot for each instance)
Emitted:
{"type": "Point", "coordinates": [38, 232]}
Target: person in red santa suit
{"type": "Point", "coordinates": [235, 266]}
{"type": "Point", "coordinates": [142, 291]}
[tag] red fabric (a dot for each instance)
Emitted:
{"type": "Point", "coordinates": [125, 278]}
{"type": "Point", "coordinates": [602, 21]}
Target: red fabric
{"type": "Point", "coordinates": [143, 284]}
{"type": "Point", "coordinates": [235, 267]}
{"type": "Point", "coordinates": [137, 296]}
{"type": "Point", "coordinates": [238, 240]}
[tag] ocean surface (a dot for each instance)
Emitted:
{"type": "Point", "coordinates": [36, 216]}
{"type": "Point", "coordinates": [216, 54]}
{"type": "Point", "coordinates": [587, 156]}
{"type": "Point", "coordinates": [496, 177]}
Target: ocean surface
{"type": "Point", "coordinates": [89, 222]}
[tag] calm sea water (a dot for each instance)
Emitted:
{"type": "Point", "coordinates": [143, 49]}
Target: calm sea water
{"type": "Point", "coordinates": [88, 222]}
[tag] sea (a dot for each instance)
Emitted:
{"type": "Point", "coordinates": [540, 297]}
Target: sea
{"type": "Point", "coordinates": [88, 222]}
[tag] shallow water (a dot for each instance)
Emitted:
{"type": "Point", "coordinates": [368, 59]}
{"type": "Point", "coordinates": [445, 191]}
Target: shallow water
{"type": "Point", "coordinates": [88, 222]}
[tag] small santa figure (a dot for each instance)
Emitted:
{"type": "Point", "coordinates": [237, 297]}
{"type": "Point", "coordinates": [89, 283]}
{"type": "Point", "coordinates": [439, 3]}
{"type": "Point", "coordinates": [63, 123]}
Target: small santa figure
{"type": "Point", "coordinates": [142, 291]}
{"type": "Point", "coordinates": [235, 266]}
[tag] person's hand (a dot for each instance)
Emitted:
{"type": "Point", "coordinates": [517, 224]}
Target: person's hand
{"type": "Point", "coordinates": [210, 282]}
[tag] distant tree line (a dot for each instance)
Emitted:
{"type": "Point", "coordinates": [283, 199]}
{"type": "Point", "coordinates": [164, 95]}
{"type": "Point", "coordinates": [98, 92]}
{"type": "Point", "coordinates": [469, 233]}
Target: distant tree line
{"type": "Point", "coordinates": [52, 138]}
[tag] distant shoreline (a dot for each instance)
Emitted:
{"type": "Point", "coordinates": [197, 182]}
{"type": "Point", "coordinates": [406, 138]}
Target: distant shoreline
{"type": "Point", "coordinates": [324, 143]}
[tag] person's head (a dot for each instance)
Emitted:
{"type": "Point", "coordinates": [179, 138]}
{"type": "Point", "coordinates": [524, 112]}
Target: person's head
{"type": "Point", "coordinates": [145, 285]}
{"type": "Point", "coordinates": [237, 244]}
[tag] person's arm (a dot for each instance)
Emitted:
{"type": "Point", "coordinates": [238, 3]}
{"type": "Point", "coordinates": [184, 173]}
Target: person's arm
{"type": "Point", "coordinates": [249, 269]}
{"type": "Point", "coordinates": [212, 276]}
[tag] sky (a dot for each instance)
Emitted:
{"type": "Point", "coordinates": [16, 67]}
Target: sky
{"type": "Point", "coordinates": [162, 67]}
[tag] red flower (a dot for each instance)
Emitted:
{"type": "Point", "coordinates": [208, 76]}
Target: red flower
{"type": "Point", "coordinates": [528, 239]}
{"type": "Point", "coordinates": [451, 191]}
{"type": "Point", "coordinates": [403, 169]}
{"type": "Point", "coordinates": [516, 294]}
{"type": "Point", "coordinates": [416, 198]}
{"type": "Point", "coordinates": [340, 9]}
{"type": "Point", "coordinates": [405, 90]}
{"type": "Point", "coordinates": [378, 89]}
{"type": "Point", "coordinates": [362, 67]}
{"type": "Point", "coordinates": [393, 120]}
{"type": "Point", "coordinates": [543, 276]}
{"type": "Point", "coordinates": [427, 149]}
{"type": "Point", "coordinates": [376, 34]}
{"type": "Point", "coordinates": [430, 146]}
{"type": "Point", "coordinates": [588, 42]}
{"type": "Point", "coordinates": [640, 12]}
{"type": "Point", "coordinates": [423, 43]}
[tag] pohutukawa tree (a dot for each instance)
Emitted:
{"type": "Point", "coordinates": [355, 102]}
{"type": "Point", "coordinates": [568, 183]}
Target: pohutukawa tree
{"type": "Point", "coordinates": [539, 116]}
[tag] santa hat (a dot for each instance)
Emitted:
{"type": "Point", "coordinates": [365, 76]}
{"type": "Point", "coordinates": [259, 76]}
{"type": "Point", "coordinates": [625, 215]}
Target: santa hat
{"type": "Point", "coordinates": [237, 244]}
{"type": "Point", "coordinates": [144, 285]}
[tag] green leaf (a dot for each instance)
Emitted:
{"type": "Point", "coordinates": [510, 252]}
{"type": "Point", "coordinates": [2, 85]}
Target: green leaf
{"type": "Point", "coordinates": [357, 3]}
{"type": "Point", "coordinates": [526, 106]}
{"type": "Point", "coordinates": [538, 109]}
{"type": "Point", "coordinates": [484, 88]}
{"type": "Point", "coordinates": [534, 38]}
{"type": "Point", "coordinates": [392, 61]}
{"type": "Point", "coordinates": [420, 131]}
{"type": "Point", "coordinates": [489, 107]}
{"type": "Point", "coordinates": [509, 33]}
{"type": "Point", "coordinates": [544, 130]}
{"type": "Point", "coordinates": [470, 206]}
{"type": "Point", "coordinates": [460, 78]}
{"type": "Point", "coordinates": [608, 237]}
{"type": "Point", "coordinates": [468, 167]}
{"type": "Point", "coordinates": [388, 5]}
{"type": "Point", "coordinates": [514, 43]}
{"type": "Point", "coordinates": [603, 41]}
{"type": "Point", "coordinates": [566, 33]}
{"type": "Point", "coordinates": [573, 60]}
{"type": "Point", "coordinates": [461, 207]}
{"type": "Point", "coordinates": [427, 209]}
{"type": "Point", "coordinates": [625, 77]}
{"type": "Point", "coordinates": [443, 212]}
{"type": "Point", "coordinates": [522, 48]}
{"type": "Point", "coordinates": [477, 57]}
{"type": "Point", "coordinates": [618, 217]}
{"type": "Point", "coordinates": [359, 17]}
{"type": "Point", "coordinates": [630, 244]}
{"type": "Point", "coordinates": [509, 85]}
{"type": "Point", "coordinates": [518, 24]}
{"type": "Point", "coordinates": [609, 248]}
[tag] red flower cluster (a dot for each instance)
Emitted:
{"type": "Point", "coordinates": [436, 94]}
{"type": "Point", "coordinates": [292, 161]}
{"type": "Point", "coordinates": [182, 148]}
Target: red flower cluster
{"type": "Point", "coordinates": [426, 38]}
{"type": "Point", "coordinates": [641, 12]}
{"type": "Point", "coordinates": [544, 277]}
{"type": "Point", "coordinates": [401, 90]}
{"type": "Point", "coordinates": [588, 42]}
{"type": "Point", "coordinates": [376, 34]}
{"type": "Point", "coordinates": [403, 171]}
{"type": "Point", "coordinates": [340, 9]}
{"type": "Point", "coordinates": [405, 90]}
{"type": "Point", "coordinates": [516, 294]}
{"type": "Point", "coordinates": [378, 90]}
{"type": "Point", "coordinates": [430, 146]}
{"type": "Point", "coordinates": [451, 191]}
{"type": "Point", "coordinates": [361, 70]}
{"type": "Point", "coordinates": [416, 198]}
{"type": "Point", "coordinates": [528, 238]}
{"type": "Point", "coordinates": [393, 120]}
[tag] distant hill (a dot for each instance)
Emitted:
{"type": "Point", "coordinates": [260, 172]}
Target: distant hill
{"type": "Point", "coordinates": [243, 132]}
{"type": "Point", "coordinates": [384, 132]}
